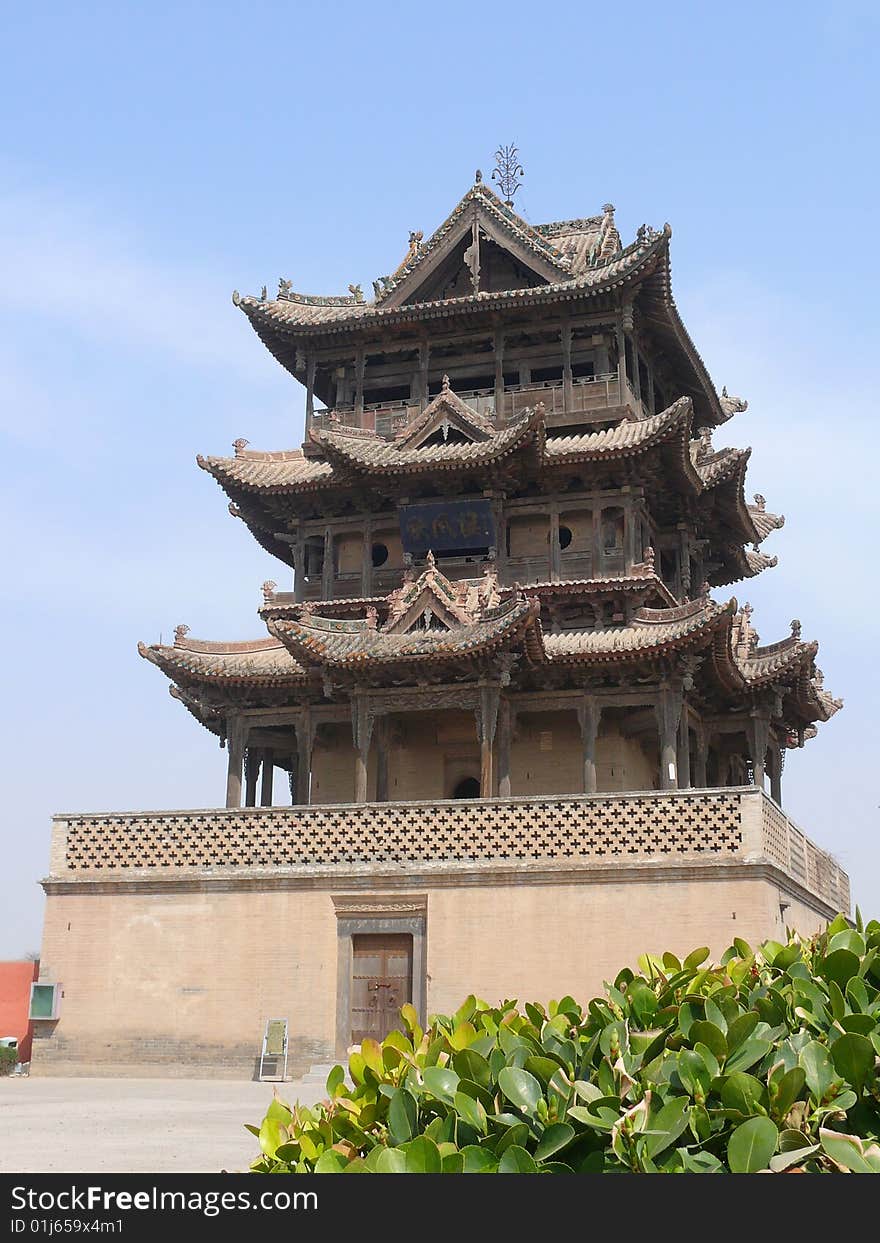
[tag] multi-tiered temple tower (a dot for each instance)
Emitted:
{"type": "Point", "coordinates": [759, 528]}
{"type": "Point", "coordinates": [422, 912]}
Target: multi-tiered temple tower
{"type": "Point", "coordinates": [506, 666]}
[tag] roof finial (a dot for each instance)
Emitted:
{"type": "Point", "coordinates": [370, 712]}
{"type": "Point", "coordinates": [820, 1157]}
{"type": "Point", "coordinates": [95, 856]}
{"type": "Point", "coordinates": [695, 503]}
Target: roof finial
{"type": "Point", "coordinates": [180, 633]}
{"type": "Point", "coordinates": [506, 172]}
{"type": "Point", "coordinates": [478, 177]}
{"type": "Point", "coordinates": [240, 445]}
{"type": "Point", "coordinates": [796, 629]}
{"type": "Point", "coordinates": [268, 590]}
{"type": "Point", "coordinates": [445, 385]}
{"type": "Point", "coordinates": [430, 561]}
{"type": "Point", "coordinates": [608, 209]}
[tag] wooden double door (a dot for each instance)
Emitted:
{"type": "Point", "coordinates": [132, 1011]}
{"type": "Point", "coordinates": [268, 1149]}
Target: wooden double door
{"type": "Point", "coordinates": [381, 983]}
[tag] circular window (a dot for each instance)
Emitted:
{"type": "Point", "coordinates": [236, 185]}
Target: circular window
{"type": "Point", "coordinates": [565, 537]}
{"type": "Point", "coordinates": [468, 787]}
{"type": "Point", "coordinates": [380, 554]}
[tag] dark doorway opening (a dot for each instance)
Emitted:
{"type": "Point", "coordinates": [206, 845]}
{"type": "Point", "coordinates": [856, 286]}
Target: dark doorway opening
{"type": "Point", "coordinates": [468, 787]}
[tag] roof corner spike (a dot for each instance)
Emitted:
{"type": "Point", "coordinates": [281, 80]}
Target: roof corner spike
{"type": "Point", "coordinates": [506, 172]}
{"type": "Point", "coordinates": [236, 298]}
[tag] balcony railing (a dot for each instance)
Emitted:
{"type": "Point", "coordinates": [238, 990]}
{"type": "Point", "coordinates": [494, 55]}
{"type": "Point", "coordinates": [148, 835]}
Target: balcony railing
{"type": "Point", "coordinates": [592, 399]}
{"type": "Point", "coordinates": [678, 826]}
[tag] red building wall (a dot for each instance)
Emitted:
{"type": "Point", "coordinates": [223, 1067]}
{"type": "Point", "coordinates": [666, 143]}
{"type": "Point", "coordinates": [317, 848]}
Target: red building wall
{"type": "Point", "coordinates": [15, 996]}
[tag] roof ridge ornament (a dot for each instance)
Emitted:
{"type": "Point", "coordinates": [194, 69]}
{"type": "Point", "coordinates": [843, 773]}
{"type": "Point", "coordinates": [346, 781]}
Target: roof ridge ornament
{"type": "Point", "coordinates": [506, 172]}
{"type": "Point", "coordinates": [180, 633]}
{"type": "Point", "coordinates": [732, 405]}
{"type": "Point", "coordinates": [268, 590]}
{"type": "Point", "coordinates": [240, 445]}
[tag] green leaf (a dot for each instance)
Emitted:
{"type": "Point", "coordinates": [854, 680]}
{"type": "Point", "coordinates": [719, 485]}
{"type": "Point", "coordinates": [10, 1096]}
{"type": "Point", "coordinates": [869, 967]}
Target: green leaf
{"type": "Point", "coordinates": [741, 1028]}
{"type": "Point", "coordinates": [744, 1093]}
{"type": "Point", "coordinates": [817, 1067]}
{"type": "Point", "coordinates": [554, 1139]}
{"type": "Point", "coordinates": [441, 1082]}
{"type": "Point", "coordinates": [517, 1134]}
{"type": "Point", "coordinates": [272, 1134]}
{"type": "Point", "coordinates": [848, 939]}
{"type": "Point", "coordinates": [335, 1080]}
{"type": "Point", "coordinates": [521, 1089]}
{"type": "Point", "coordinates": [790, 1087]}
{"type": "Point", "coordinates": [471, 1111]}
{"type": "Point", "coordinates": [667, 1124]}
{"type": "Point", "coordinates": [859, 1156]}
{"type": "Point", "coordinates": [694, 959]}
{"type": "Point", "coordinates": [279, 1111]}
{"type": "Point", "coordinates": [693, 1073]}
{"type": "Point", "coordinates": [543, 1068]}
{"type": "Point", "coordinates": [477, 1160]}
{"type": "Point", "coordinates": [864, 1024]}
{"type": "Point", "coordinates": [402, 1116]}
{"type": "Point", "coordinates": [469, 1064]}
{"type": "Point", "coordinates": [371, 1052]}
{"type": "Point", "coordinates": [516, 1160]}
{"type": "Point", "coordinates": [839, 966]}
{"type": "Point", "coordinates": [748, 1053]}
{"type": "Point", "coordinates": [708, 1034]}
{"type": "Point", "coordinates": [330, 1162]}
{"type": "Point", "coordinates": [751, 1146]}
{"type": "Point", "coordinates": [423, 1156]}
{"type": "Point", "coordinates": [392, 1161]}
{"type": "Point", "coordinates": [794, 1156]}
{"type": "Point", "coordinates": [853, 1058]}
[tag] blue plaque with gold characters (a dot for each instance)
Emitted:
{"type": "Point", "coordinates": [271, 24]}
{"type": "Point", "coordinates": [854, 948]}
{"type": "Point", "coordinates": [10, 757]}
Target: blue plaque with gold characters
{"type": "Point", "coordinates": [447, 526]}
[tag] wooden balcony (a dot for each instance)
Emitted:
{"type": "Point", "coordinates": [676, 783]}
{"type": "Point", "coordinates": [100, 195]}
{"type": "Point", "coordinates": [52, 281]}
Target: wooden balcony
{"type": "Point", "coordinates": [593, 399]}
{"type": "Point", "coordinates": [562, 833]}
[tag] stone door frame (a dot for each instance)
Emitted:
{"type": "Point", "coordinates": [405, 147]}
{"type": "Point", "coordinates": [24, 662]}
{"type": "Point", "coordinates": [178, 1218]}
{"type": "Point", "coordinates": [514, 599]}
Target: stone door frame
{"type": "Point", "coordinates": [369, 914]}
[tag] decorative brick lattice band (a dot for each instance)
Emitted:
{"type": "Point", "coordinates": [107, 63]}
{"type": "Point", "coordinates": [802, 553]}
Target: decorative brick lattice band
{"type": "Point", "coordinates": [624, 828]}
{"type": "Point", "coordinates": [796, 854]}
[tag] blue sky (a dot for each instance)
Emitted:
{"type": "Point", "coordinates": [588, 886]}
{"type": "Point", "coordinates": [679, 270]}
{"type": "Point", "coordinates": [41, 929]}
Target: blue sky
{"type": "Point", "coordinates": [154, 157]}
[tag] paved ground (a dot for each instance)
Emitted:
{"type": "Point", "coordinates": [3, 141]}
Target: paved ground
{"type": "Point", "coordinates": [153, 1126]}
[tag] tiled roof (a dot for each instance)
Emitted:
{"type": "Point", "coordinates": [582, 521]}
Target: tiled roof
{"type": "Point", "coordinates": [260, 662]}
{"type": "Point", "coordinates": [325, 641]}
{"type": "Point", "coordinates": [583, 242]}
{"type": "Point", "coordinates": [765, 522]}
{"type": "Point", "coordinates": [287, 471]}
{"type": "Point", "coordinates": [766, 664]}
{"type": "Point", "coordinates": [652, 630]}
{"type": "Point", "coordinates": [721, 465]}
{"type": "Point", "coordinates": [298, 311]}
{"type": "Point", "coordinates": [757, 562]}
{"type": "Point", "coordinates": [623, 440]}
{"type": "Point", "coordinates": [374, 454]}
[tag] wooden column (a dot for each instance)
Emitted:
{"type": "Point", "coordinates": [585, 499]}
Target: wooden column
{"type": "Point", "coordinates": [775, 757]}
{"type": "Point", "coordinates": [235, 739]}
{"type": "Point", "coordinates": [505, 733]}
{"type": "Point", "coordinates": [361, 729]}
{"type": "Point", "coordinates": [621, 356]}
{"type": "Point", "coordinates": [589, 715]}
{"type": "Point", "coordinates": [367, 559]}
{"type": "Point", "coordinates": [251, 773]}
{"type": "Point", "coordinates": [567, 388]}
{"type": "Point", "coordinates": [359, 363]}
{"type": "Point", "coordinates": [327, 577]}
{"type": "Point", "coordinates": [383, 738]}
{"type": "Point", "coordinates": [499, 373]}
{"type": "Point", "coordinates": [668, 709]}
{"type": "Point", "coordinates": [758, 734]}
{"type": "Point", "coordinates": [424, 361]}
{"type": "Point", "coordinates": [637, 375]}
{"type": "Point", "coordinates": [700, 756]}
{"type": "Point", "coordinates": [299, 562]}
{"type": "Point", "coordinates": [487, 718]}
{"type": "Point", "coordinates": [268, 778]}
{"type": "Point", "coordinates": [683, 752]}
{"type": "Point", "coordinates": [651, 399]}
{"type": "Point", "coordinates": [555, 551]}
{"type": "Point", "coordinates": [305, 741]}
{"type": "Point", "coordinates": [310, 391]}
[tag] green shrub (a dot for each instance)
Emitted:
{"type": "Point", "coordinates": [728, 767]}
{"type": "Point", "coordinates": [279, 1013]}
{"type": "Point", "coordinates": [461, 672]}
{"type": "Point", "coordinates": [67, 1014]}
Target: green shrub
{"type": "Point", "coordinates": [8, 1058]}
{"type": "Point", "coordinates": [767, 1061]}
